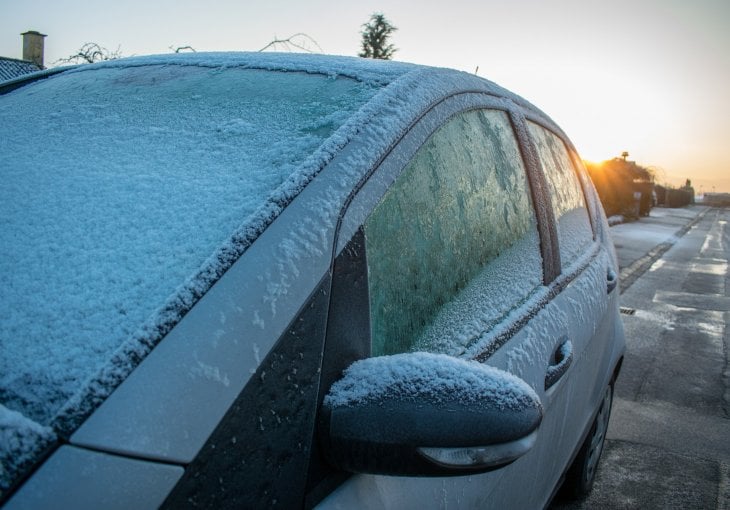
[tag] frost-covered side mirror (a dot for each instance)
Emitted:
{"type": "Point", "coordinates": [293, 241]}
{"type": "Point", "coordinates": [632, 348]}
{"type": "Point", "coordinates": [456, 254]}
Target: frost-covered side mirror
{"type": "Point", "coordinates": [421, 414]}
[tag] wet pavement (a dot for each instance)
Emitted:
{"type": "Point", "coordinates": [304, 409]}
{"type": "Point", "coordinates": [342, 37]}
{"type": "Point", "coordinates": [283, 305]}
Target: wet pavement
{"type": "Point", "coordinates": [668, 443]}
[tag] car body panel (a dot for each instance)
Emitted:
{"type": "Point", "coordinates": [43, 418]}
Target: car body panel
{"type": "Point", "coordinates": [87, 480]}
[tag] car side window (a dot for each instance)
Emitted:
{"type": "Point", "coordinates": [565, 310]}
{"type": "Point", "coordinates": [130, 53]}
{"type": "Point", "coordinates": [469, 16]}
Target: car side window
{"type": "Point", "coordinates": [575, 233]}
{"type": "Point", "coordinates": [452, 246]}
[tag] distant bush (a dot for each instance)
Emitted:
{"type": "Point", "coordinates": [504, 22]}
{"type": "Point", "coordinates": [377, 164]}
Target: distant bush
{"type": "Point", "coordinates": [670, 197]}
{"type": "Point", "coordinates": [619, 182]}
{"type": "Point", "coordinates": [717, 199]}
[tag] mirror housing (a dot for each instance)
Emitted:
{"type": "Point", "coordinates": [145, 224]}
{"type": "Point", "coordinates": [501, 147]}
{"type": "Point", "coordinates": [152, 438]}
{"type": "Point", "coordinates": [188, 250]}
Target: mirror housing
{"type": "Point", "coordinates": [421, 414]}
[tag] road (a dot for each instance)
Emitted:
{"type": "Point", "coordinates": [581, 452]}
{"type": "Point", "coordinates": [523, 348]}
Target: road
{"type": "Point", "coordinates": [668, 443]}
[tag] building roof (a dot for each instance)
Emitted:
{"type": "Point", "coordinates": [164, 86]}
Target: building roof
{"type": "Point", "coordinates": [12, 68]}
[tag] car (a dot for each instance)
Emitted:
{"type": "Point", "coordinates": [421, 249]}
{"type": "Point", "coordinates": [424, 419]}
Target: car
{"type": "Point", "coordinates": [241, 280]}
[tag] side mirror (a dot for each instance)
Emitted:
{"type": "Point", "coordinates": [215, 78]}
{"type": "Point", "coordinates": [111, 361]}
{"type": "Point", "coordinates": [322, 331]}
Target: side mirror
{"type": "Point", "coordinates": [420, 414]}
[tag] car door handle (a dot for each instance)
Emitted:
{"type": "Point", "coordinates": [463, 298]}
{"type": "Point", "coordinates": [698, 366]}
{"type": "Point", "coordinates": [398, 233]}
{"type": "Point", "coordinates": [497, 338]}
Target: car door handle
{"type": "Point", "coordinates": [563, 357]}
{"type": "Point", "coordinates": [611, 280]}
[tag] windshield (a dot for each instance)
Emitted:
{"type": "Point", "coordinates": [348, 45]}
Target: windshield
{"type": "Point", "coordinates": [126, 192]}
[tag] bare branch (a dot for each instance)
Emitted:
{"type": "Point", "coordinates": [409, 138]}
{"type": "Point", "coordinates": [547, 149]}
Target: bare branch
{"type": "Point", "coordinates": [291, 42]}
{"type": "Point", "coordinates": [180, 49]}
{"type": "Point", "coordinates": [90, 53]}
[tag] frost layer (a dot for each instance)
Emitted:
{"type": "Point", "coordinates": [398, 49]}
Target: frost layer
{"type": "Point", "coordinates": [21, 440]}
{"type": "Point", "coordinates": [425, 375]}
{"type": "Point", "coordinates": [127, 190]}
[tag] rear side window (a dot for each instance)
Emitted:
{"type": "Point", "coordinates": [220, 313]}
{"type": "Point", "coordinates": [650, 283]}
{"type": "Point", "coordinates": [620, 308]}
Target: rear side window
{"type": "Point", "coordinates": [452, 246]}
{"type": "Point", "coordinates": [575, 233]}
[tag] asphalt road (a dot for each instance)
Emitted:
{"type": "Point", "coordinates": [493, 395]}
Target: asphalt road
{"type": "Point", "coordinates": [668, 443]}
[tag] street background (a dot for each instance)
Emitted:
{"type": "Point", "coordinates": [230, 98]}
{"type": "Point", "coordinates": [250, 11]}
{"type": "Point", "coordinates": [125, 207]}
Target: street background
{"type": "Point", "coordinates": [668, 443]}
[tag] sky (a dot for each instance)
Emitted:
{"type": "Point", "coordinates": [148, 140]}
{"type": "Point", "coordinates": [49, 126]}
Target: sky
{"type": "Point", "coordinates": [649, 77]}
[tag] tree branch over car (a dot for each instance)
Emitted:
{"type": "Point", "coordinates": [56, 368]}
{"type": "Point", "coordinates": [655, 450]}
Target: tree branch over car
{"type": "Point", "coordinates": [89, 53]}
{"type": "Point", "coordinates": [298, 41]}
{"type": "Point", "coordinates": [375, 38]}
{"type": "Point", "coordinates": [182, 49]}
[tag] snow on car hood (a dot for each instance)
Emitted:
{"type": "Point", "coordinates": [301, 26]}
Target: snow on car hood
{"type": "Point", "coordinates": [128, 189]}
{"type": "Point", "coordinates": [131, 186]}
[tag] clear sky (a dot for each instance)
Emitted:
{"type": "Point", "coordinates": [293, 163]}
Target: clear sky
{"type": "Point", "coordinates": [645, 76]}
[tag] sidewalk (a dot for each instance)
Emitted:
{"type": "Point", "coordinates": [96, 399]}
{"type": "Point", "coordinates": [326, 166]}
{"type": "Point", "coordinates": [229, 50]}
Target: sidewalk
{"type": "Point", "coordinates": [641, 243]}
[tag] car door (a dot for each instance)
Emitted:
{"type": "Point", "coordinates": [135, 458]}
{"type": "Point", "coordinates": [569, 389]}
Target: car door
{"type": "Point", "coordinates": [442, 251]}
{"type": "Point", "coordinates": [587, 282]}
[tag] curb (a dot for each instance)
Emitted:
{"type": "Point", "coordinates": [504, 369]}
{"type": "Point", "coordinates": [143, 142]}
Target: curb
{"type": "Point", "coordinates": [630, 274]}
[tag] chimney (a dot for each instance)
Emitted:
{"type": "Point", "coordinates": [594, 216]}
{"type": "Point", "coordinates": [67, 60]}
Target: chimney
{"type": "Point", "coordinates": [33, 47]}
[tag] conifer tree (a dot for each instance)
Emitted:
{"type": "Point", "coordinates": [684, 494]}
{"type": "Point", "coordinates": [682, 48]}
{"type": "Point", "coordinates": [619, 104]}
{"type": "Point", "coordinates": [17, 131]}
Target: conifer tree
{"type": "Point", "coordinates": [375, 36]}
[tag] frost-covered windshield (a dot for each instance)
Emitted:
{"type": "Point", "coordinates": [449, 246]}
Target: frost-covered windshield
{"type": "Point", "coordinates": [126, 192]}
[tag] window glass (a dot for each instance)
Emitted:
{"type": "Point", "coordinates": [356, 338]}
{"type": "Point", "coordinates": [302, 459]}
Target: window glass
{"type": "Point", "coordinates": [574, 227]}
{"type": "Point", "coordinates": [453, 244]}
